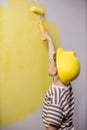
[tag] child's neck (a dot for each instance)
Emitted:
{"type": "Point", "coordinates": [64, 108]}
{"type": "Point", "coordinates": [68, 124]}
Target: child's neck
{"type": "Point", "coordinates": [57, 81]}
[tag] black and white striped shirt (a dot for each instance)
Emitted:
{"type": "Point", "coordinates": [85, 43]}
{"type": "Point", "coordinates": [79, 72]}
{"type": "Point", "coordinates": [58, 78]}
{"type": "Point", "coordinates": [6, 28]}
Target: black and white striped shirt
{"type": "Point", "coordinates": [58, 107]}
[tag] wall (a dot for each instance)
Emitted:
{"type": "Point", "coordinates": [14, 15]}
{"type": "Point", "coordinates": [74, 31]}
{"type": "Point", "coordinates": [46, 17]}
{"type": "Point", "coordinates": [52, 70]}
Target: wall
{"type": "Point", "coordinates": [70, 15]}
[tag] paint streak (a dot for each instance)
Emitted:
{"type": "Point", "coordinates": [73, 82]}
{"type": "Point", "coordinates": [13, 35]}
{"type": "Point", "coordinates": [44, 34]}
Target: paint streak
{"type": "Point", "coordinates": [23, 60]}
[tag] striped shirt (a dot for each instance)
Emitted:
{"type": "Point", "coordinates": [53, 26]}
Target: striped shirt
{"type": "Point", "coordinates": [58, 107]}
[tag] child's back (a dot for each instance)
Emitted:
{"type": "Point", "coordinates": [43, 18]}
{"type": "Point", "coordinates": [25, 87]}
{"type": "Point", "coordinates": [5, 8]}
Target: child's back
{"type": "Point", "coordinates": [58, 107]}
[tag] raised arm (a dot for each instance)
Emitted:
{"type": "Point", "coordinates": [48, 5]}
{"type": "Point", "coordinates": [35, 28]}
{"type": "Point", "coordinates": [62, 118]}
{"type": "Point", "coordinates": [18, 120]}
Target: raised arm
{"type": "Point", "coordinates": [51, 46]}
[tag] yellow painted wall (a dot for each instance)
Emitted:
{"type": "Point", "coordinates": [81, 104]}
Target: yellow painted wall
{"type": "Point", "coordinates": [23, 60]}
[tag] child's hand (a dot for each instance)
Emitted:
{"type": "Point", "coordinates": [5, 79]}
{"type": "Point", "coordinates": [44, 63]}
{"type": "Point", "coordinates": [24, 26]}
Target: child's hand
{"type": "Point", "coordinates": [47, 36]}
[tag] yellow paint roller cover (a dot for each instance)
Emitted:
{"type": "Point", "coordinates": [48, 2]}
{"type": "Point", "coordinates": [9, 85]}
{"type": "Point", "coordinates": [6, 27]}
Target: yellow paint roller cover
{"type": "Point", "coordinates": [37, 10]}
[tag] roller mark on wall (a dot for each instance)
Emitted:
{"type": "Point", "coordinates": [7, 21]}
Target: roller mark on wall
{"type": "Point", "coordinates": [23, 60]}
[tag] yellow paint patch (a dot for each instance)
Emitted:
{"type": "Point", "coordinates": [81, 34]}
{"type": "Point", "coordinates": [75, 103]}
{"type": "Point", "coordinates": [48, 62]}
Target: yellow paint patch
{"type": "Point", "coordinates": [23, 61]}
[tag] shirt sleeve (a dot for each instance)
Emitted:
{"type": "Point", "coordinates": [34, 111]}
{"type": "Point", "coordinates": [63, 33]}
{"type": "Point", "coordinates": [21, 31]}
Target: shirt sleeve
{"type": "Point", "coordinates": [55, 115]}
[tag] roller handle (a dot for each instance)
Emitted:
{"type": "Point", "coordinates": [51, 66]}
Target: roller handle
{"type": "Point", "coordinates": [42, 29]}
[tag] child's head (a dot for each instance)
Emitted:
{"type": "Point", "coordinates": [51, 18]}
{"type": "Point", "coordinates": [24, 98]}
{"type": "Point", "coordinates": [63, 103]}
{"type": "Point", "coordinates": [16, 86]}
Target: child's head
{"type": "Point", "coordinates": [68, 66]}
{"type": "Point", "coordinates": [65, 65]}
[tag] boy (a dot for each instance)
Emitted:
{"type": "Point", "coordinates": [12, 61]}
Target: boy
{"type": "Point", "coordinates": [58, 105]}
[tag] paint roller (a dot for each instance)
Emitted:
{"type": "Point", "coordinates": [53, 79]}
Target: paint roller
{"type": "Point", "coordinates": [41, 23]}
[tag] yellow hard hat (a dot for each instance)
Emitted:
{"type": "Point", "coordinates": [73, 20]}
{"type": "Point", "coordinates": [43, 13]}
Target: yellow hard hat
{"type": "Point", "coordinates": [68, 65]}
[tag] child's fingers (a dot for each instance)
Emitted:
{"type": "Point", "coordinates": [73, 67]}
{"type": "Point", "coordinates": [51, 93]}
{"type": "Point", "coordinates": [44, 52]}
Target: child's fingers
{"type": "Point", "coordinates": [45, 34]}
